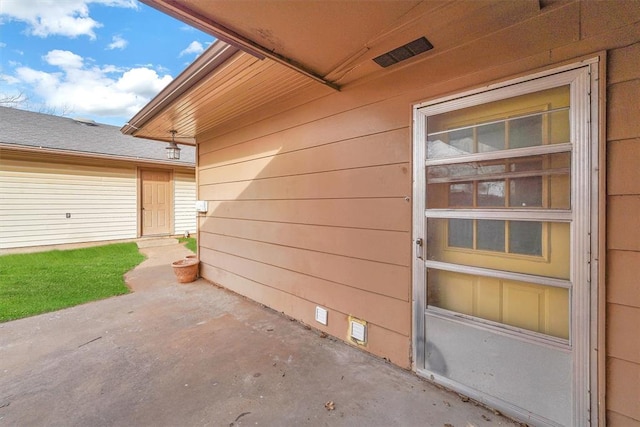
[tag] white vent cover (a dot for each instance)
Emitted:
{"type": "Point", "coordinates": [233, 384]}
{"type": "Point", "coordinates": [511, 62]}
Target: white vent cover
{"type": "Point", "coordinates": [321, 315]}
{"type": "Point", "coordinates": [358, 331]}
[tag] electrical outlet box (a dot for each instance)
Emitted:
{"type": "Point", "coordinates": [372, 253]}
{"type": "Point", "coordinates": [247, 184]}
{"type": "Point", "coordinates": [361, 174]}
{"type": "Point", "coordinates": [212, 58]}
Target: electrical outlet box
{"type": "Point", "coordinates": [321, 315]}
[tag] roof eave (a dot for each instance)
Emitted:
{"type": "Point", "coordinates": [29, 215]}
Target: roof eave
{"type": "Point", "coordinates": [87, 155]}
{"type": "Point", "coordinates": [215, 56]}
{"type": "Point", "coordinates": [182, 12]}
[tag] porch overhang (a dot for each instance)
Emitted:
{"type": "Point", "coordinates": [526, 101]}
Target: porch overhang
{"type": "Point", "coordinates": [270, 51]}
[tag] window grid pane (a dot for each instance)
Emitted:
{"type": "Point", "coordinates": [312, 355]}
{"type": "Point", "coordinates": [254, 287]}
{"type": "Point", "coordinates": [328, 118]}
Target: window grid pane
{"type": "Point", "coordinates": [490, 235]}
{"type": "Point", "coordinates": [493, 165]}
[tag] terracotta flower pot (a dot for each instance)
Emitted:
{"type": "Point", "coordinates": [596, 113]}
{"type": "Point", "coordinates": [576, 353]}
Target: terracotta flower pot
{"type": "Point", "coordinates": [186, 270]}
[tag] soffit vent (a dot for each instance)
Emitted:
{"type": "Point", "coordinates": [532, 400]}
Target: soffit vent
{"type": "Point", "coordinates": [401, 53]}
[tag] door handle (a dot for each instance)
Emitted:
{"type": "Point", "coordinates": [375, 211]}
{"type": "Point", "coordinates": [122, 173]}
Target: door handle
{"type": "Point", "coordinates": [419, 248]}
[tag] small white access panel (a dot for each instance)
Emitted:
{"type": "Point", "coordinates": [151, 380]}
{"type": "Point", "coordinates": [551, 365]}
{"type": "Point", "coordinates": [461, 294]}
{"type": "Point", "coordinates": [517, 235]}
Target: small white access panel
{"type": "Point", "coordinates": [202, 206]}
{"type": "Point", "coordinates": [321, 315]}
{"type": "Point", "coordinates": [358, 331]}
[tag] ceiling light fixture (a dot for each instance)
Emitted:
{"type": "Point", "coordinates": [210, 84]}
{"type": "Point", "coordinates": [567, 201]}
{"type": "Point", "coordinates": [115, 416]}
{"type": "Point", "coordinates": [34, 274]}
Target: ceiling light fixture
{"type": "Point", "coordinates": [173, 151]}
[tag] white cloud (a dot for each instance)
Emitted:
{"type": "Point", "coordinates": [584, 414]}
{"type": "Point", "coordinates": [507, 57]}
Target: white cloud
{"type": "Point", "coordinates": [194, 47]}
{"type": "Point", "coordinates": [9, 79]}
{"type": "Point", "coordinates": [159, 68]}
{"type": "Point", "coordinates": [3, 45]}
{"type": "Point", "coordinates": [68, 18]}
{"type": "Point", "coordinates": [117, 43]}
{"type": "Point", "coordinates": [64, 59]}
{"type": "Point", "coordinates": [90, 90]}
{"type": "Point", "coordinates": [142, 81]}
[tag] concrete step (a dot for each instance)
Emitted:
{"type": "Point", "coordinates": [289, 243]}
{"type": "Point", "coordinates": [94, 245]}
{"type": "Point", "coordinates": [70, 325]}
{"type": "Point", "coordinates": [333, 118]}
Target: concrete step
{"type": "Point", "coordinates": [156, 241]}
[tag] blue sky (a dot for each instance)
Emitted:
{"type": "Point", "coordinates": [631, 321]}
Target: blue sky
{"type": "Point", "coordinates": [96, 59]}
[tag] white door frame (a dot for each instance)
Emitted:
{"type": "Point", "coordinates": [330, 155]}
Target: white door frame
{"type": "Point", "coordinates": [585, 175]}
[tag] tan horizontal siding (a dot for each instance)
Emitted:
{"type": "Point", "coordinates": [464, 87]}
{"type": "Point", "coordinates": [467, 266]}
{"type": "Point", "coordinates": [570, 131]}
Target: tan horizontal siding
{"type": "Point", "coordinates": [623, 110]}
{"type": "Point", "coordinates": [625, 156]}
{"type": "Point", "coordinates": [372, 182]}
{"type": "Point", "coordinates": [623, 229]}
{"type": "Point", "coordinates": [624, 64]}
{"type": "Point", "coordinates": [623, 391]}
{"type": "Point", "coordinates": [617, 420]}
{"type": "Point", "coordinates": [279, 178]}
{"type": "Point", "coordinates": [318, 123]}
{"type": "Point", "coordinates": [370, 150]}
{"type": "Point", "coordinates": [318, 214]}
{"type": "Point", "coordinates": [623, 342]}
{"type": "Point", "coordinates": [366, 275]}
{"type": "Point", "coordinates": [598, 18]}
{"type": "Point", "coordinates": [625, 209]}
{"type": "Point", "coordinates": [184, 203]}
{"type": "Point", "coordinates": [374, 213]}
{"type": "Point", "coordinates": [345, 299]}
{"type": "Point", "coordinates": [349, 147]}
{"type": "Point", "coordinates": [381, 341]}
{"type": "Point", "coordinates": [623, 286]}
{"type": "Point", "coordinates": [391, 247]}
{"type": "Point", "coordinates": [36, 196]}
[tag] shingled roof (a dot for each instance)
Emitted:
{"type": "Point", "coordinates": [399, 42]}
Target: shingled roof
{"type": "Point", "coordinates": [20, 129]}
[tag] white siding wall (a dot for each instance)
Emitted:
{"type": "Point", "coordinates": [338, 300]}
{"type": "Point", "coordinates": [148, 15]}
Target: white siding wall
{"type": "Point", "coordinates": [185, 198]}
{"type": "Point", "coordinates": [36, 196]}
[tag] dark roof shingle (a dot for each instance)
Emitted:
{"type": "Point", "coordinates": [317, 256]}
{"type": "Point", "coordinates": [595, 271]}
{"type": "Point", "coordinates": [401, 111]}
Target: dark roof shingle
{"type": "Point", "coordinates": [22, 128]}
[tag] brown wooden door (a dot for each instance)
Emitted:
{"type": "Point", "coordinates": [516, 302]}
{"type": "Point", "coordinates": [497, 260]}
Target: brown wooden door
{"type": "Point", "coordinates": [156, 202]}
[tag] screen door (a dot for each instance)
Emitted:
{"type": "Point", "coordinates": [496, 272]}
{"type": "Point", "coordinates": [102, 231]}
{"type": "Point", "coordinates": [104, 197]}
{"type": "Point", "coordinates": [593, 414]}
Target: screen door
{"type": "Point", "coordinates": [503, 201]}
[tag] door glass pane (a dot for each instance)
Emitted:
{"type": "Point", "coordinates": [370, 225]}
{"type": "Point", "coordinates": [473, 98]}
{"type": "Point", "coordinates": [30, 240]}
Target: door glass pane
{"type": "Point", "coordinates": [537, 308]}
{"type": "Point", "coordinates": [525, 121]}
{"type": "Point", "coordinates": [461, 233]}
{"type": "Point", "coordinates": [559, 184]}
{"type": "Point", "coordinates": [525, 192]}
{"type": "Point", "coordinates": [558, 126]}
{"type": "Point", "coordinates": [534, 247]}
{"type": "Point", "coordinates": [461, 195]}
{"type": "Point", "coordinates": [464, 171]}
{"type": "Point", "coordinates": [462, 140]}
{"type": "Point", "coordinates": [489, 240]}
{"type": "Point", "coordinates": [528, 182]}
{"type": "Point", "coordinates": [490, 235]}
{"type": "Point", "coordinates": [525, 237]}
{"type": "Point", "coordinates": [491, 137]}
{"type": "Point", "coordinates": [491, 194]}
{"type": "Point", "coordinates": [525, 132]}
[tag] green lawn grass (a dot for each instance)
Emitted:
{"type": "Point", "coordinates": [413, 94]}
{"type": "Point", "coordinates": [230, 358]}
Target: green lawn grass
{"type": "Point", "coordinates": [191, 243]}
{"type": "Point", "coordinates": [47, 281]}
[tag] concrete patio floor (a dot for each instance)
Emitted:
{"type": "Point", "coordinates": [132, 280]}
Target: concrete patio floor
{"type": "Point", "coordinates": [172, 354]}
